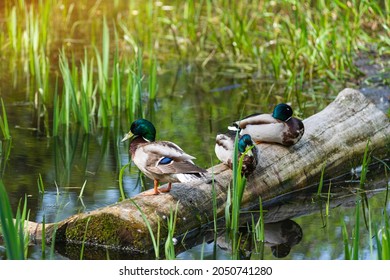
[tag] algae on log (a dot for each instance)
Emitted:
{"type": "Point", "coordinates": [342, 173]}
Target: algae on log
{"type": "Point", "coordinates": [336, 137]}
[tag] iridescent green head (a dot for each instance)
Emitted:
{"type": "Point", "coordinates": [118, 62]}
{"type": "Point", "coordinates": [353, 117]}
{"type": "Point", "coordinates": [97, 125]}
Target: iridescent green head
{"type": "Point", "coordinates": [244, 142]}
{"type": "Point", "coordinates": [282, 112]}
{"type": "Point", "coordinates": [143, 128]}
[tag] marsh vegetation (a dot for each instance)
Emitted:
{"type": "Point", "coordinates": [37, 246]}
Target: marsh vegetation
{"type": "Point", "coordinates": [75, 74]}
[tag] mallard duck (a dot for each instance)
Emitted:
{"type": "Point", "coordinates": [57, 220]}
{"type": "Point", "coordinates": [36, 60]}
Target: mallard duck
{"type": "Point", "coordinates": [279, 127]}
{"type": "Point", "coordinates": [224, 147]}
{"type": "Point", "coordinates": [161, 161]}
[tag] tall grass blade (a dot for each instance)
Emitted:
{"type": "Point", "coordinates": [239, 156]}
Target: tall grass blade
{"type": "Point", "coordinates": [41, 186]}
{"type": "Point", "coordinates": [84, 238]}
{"type": "Point", "coordinates": [121, 172]}
{"type": "Point", "coordinates": [155, 239]}
{"type": "Point", "coordinates": [347, 253]}
{"type": "Point", "coordinates": [13, 233]}
{"type": "Point", "coordinates": [169, 243]}
{"type": "Point", "coordinates": [4, 122]}
{"type": "Point", "coordinates": [356, 235]}
{"type": "Point", "coordinates": [82, 189]}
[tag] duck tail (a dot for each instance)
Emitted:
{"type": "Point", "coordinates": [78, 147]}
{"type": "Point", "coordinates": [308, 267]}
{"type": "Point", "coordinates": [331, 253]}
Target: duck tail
{"type": "Point", "coordinates": [233, 127]}
{"type": "Point", "coordinates": [188, 177]}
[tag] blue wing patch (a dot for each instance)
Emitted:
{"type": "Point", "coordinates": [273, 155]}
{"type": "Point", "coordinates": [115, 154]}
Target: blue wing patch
{"type": "Point", "coordinates": [165, 160]}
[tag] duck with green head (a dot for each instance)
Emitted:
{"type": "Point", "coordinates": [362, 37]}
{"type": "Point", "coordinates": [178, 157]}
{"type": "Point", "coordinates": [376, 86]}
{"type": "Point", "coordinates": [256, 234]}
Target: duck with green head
{"type": "Point", "coordinates": [224, 149]}
{"type": "Point", "coordinates": [279, 127]}
{"type": "Point", "coordinates": [162, 161]}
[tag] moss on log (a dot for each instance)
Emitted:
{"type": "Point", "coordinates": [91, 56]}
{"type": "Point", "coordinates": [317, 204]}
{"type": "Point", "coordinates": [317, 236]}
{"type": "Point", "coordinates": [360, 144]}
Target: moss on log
{"type": "Point", "coordinates": [336, 136]}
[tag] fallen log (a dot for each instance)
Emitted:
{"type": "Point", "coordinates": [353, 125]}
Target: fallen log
{"type": "Point", "coordinates": [336, 137]}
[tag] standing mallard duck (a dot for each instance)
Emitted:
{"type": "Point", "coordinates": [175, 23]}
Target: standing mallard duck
{"type": "Point", "coordinates": [224, 148]}
{"type": "Point", "coordinates": [161, 161]}
{"type": "Point", "coordinates": [279, 127]}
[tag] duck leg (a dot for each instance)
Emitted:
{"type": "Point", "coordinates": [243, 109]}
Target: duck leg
{"type": "Point", "coordinates": [155, 190]}
{"type": "Point", "coordinates": [155, 187]}
{"type": "Point", "coordinates": [167, 189]}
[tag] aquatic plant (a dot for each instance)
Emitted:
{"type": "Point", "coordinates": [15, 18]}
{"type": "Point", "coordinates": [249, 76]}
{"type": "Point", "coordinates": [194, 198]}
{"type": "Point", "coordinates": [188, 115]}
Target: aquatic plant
{"type": "Point", "coordinates": [170, 242]}
{"type": "Point", "coordinates": [41, 186]}
{"type": "Point", "coordinates": [12, 231]}
{"type": "Point", "coordinates": [155, 238]}
{"type": "Point", "coordinates": [84, 238]}
{"type": "Point", "coordinates": [234, 198]}
{"type": "Point", "coordinates": [301, 43]}
{"type": "Point", "coordinates": [258, 237]}
{"type": "Point", "coordinates": [4, 123]}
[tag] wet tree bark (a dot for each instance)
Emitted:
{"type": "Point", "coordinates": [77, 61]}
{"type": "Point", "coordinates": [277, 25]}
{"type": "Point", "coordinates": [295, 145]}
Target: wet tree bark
{"type": "Point", "coordinates": [336, 137]}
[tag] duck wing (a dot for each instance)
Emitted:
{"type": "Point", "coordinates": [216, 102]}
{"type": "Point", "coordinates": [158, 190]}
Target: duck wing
{"type": "Point", "coordinates": [164, 157]}
{"type": "Point", "coordinates": [254, 119]}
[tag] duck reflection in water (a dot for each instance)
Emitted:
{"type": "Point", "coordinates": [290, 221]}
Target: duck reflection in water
{"type": "Point", "coordinates": [280, 237]}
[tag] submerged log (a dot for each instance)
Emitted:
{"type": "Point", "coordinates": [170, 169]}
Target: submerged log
{"type": "Point", "coordinates": [335, 137]}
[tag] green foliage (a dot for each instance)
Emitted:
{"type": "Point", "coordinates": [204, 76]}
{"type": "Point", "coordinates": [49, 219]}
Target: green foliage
{"type": "Point", "coordinates": [300, 43]}
{"type": "Point", "coordinates": [352, 251]}
{"type": "Point", "coordinates": [4, 123]}
{"type": "Point", "coordinates": [155, 239]}
{"type": "Point", "coordinates": [258, 235]}
{"type": "Point", "coordinates": [15, 239]}
{"type": "Point", "coordinates": [84, 238]}
{"type": "Point", "coordinates": [41, 186]}
{"type": "Point", "coordinates": [123, 196]}
{"type": "Point", "coordinates": [169, 242]}
{"type": "Point", "coordinates": [234, 198]}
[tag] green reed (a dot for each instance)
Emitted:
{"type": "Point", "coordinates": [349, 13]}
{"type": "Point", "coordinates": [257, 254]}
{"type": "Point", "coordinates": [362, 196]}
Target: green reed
{"type": "Point", "coordinates": [12, 231]}
{"type": "Point", "coordinates": [41, 185]}
{"type": "Point", "coordinates": [171, 226]}
{"type": "Point", "coordinates": [4, 123]}
{"type": "Point", "coordinates": [234, 198]}
{"type": "Point", "coordinates": [352, 250]}
{"type": "Point", "coordinates": [84, 239]}
{"type": "Point", "coordinates": [121, 172]}
{"type": "Point", "coordinates": [5, 141]}
{"type": "Point", "coordinates": [382, 239]}
{"type": "Point", "coordinates": [155, 239]}
{"type": "Point", "coordinates": [301, 43]}
{"type": "Point", "coordinates": [258, 234]}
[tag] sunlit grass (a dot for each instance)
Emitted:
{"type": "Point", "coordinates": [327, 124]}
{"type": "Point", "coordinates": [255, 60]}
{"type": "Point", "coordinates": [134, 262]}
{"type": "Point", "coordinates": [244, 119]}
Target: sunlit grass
{"type": "Point", "coordinates": [296, 43]}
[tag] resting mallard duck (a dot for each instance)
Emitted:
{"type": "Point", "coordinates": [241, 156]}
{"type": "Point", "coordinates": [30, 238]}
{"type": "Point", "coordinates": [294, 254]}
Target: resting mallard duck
{"type": "Point", "coordinates": [224, 147]}
{"type": "Point", "coordinates": [161, 161]}
{"type": "Point", "coordinates": [278, 127]}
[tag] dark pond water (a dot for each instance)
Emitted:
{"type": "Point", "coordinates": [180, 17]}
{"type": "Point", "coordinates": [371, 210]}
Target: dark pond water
{"type": "Point", "coordinates": [192, 106]}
